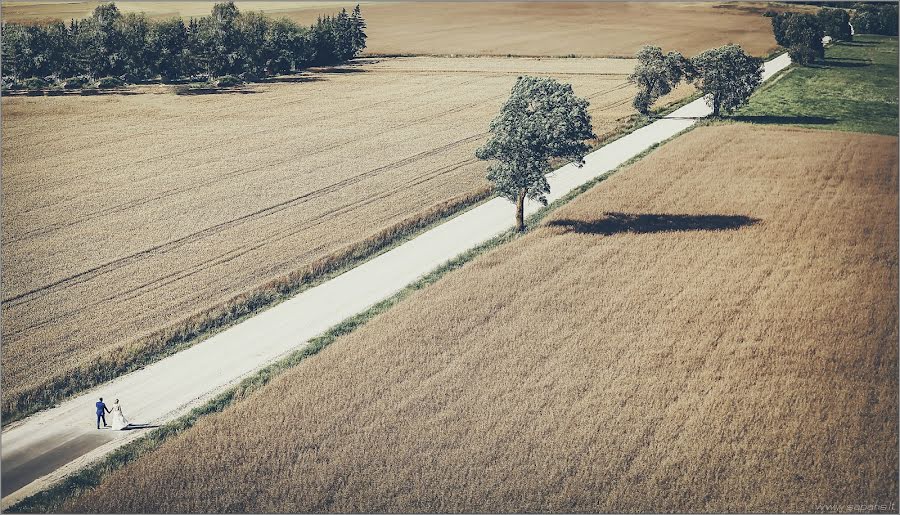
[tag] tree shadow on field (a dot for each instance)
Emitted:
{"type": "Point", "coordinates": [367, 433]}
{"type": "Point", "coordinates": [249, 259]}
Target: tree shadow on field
{"type": "Point", "coordinates": [857, 43]}
{"type": "Point", "coordinates": [780, 120]}
{"type": "Point", "coordinates": [291, 79]}
{"type": "Point", "coordinates": [616, 223]}
{"type": "Point", "coordinates": [214, 91]}
{"type": "Point", "coordinates": [73, 92]}
{"type": "Point", "coordinates": [833, 62]}
{"type": "Point", "coordinates": [341, 69]}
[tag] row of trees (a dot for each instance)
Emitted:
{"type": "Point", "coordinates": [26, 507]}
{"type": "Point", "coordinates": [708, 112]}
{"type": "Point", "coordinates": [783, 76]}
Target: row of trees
{"type": "Point", "coordinates": [726, 75]}
{"type": "Point", "coordinates": [875, 18]}
{"type": "Point", "coordinates": [135, 48]}
{"type": "Point", "coordinates": [802, 33]}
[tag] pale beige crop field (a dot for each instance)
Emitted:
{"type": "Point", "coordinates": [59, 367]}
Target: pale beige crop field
{"type": "Point", "coordinates": [712, 329]}
{"type": "Point", "coordinates": [493, 28]}
{"type": "Point", "coordinates": [125, 213]}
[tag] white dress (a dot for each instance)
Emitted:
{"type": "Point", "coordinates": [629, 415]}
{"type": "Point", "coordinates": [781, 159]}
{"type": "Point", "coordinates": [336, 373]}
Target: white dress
{"type": "Point", "coordinates": [118, 419]}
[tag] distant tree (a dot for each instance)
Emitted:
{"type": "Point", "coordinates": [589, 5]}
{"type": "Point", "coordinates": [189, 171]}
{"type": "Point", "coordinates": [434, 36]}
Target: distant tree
{"type": "Point", "coordinates": [778, 27]}
{"type": "Point", "coordinates": [801, 34]}
{"type": "Point", "coordinates": [61, 51]}
{"type": "Point", "coordinates": [835, 23]}
{"type": "Point", "coordinates": [21, 54]}
{"type": "Point", "coordinates": [321, 41]}
{"type": "Point", "coordinates": [283, 47]}
{"type": "Point", "coordinates": [103, 51]}
{"type": "Point", "coordinates": [655, 75]}
{"type": "Point", "coordinates": [358, 25]}
{"type": "Point", "coordinates": [134, 51]}
{"type": "Point", "coordinates": [541, 120]}
{"type": "Point", "coordinates": [727, 75]}
{"type": "Point", "coordinates": [252, 28]}
{"type": "Point", "coordinates": [870, 18]}
{"type": "Point", "coordinates": [344, 36]}
{"type": "Point", "coordinates": [168, 41]}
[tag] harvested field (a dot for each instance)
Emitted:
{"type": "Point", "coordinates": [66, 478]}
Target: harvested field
{"type": "Point", "coordinates": [496, 28]}
{"type": "Point", "coordinates": [712, 329]}
{"type": "Point", "coordinates": [123, 214]}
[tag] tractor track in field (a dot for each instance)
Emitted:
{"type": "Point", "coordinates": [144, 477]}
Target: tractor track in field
{"type": "Point", "coordinates": [91, 273]}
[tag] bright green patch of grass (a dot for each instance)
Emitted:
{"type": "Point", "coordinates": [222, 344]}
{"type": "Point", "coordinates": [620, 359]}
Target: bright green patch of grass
{"type": "Point", "coordinates": [855, 89]}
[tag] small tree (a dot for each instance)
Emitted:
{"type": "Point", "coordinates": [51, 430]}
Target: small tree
{"type": "Point", "coordinates": [542, 119]}
{"type": "Point", "coordinates": [655, 75]}
{"type": "Point", "coordinates": [727, 75]}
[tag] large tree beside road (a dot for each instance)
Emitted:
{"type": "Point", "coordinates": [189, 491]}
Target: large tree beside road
{"type": "Point", "coordinates": [543, 119]}
{"type": "Point", "coordinates": [655, 75]}
{"type": "Point", "coordinates": [801, 34]}
{"type": "Point", "coordinates": [727, 75]}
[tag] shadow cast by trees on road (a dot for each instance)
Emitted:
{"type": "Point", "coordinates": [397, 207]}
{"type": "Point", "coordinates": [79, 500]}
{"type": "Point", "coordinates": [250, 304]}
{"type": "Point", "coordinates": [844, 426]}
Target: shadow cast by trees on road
{"type": "Point", "coordinates": [615, 223]}
{"type": "Point", "coordinates": [809, 120]}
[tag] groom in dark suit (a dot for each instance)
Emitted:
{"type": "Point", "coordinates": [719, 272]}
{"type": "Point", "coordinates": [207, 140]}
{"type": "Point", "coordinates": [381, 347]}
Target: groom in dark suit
{"type": "Point", "coordinates": [102, 410]}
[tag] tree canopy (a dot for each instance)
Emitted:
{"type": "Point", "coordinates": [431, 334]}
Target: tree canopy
{"type": "Point", "coordinates": [541, 120]}
{"type": "Point", "coordinates": [835, 23]}
{"type": "Point", "coordinates": [655, 75]}
{"type": "Point", "coordinates": [801, 34]}
{"type": "Point", "coordinates": [727, 75]}
{"type": "Point", "coordinates": [872, 18]}
{"type": "Point", "coordinates": [135, 48]}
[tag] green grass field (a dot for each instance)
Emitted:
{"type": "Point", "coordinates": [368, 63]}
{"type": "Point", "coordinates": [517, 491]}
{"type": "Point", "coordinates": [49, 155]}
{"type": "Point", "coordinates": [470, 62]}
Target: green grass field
{"type": "Point", "coordinates": [855, 89]}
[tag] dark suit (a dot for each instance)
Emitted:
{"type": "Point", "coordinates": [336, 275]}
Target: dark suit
{"type": "Point", "coordinates": [101, 413]}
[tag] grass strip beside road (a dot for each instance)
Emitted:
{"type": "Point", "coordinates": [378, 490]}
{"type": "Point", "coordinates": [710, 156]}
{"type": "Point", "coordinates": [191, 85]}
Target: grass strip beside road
{"type": "Point", "coordinates": [855, 89]}
{"type": "Point", "coordinates": [52, 499]}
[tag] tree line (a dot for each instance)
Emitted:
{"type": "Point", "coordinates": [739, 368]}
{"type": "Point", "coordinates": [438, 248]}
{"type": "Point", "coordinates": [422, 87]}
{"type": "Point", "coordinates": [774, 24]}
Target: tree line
{"type": "Point", "coordinates": [801, 33]}
{"type": "Point", "coordinates": [726, 75]}
{"type": "Point", "coordinates": [132, 48]}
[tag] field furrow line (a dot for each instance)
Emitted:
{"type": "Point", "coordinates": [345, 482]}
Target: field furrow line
{"type": "Point", "coordinates": [110, 171]}
{"type": "Point", "coordinates": [232, 254]}
{"type": "Point", "coordinates": [168, 246]}
{"type": "Point", "coordinates": [221, 178]}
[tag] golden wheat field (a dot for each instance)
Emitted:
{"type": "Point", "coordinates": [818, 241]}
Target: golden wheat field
{"type": "Point", "coordinates": [712, 329]}
{"type": "Point", "coordinates": [125, 213]}
{"type": "Point", "coordinates": [494, 28]}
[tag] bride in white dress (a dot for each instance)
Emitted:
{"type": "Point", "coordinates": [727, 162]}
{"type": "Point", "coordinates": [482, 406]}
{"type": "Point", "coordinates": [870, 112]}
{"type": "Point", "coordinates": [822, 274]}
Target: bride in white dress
{"type": "Point", "coordinates": [118, 419]}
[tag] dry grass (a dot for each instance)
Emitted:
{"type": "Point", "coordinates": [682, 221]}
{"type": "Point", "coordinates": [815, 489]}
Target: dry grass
{"type": "Point", "coordinates": [714, 328]}
{"type": "Point", "coordinates": [496, 28]}
{"type": "Point", "coordinates": [127, 215]}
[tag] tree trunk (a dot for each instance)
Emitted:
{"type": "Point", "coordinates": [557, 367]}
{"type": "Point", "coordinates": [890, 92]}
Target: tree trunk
{"type": "Point", "coordinates": [520, 211]}
{"type": "Point", "coordinates": [716, 105]}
